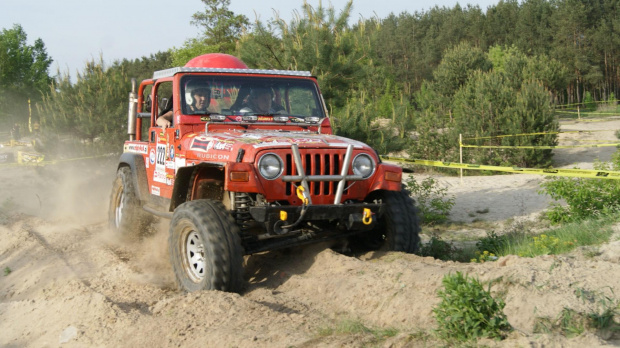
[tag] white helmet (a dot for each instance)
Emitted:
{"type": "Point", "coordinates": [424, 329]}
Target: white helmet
{"type": "Point", "coordinates": [196, 86]}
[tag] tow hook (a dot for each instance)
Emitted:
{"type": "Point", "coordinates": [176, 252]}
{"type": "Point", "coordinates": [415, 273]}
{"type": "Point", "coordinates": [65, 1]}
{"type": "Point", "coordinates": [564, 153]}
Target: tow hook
{"type": "Point", "coordinates": [360, 221]}
{"type": "Point", "coordinates": [367, 217]}
{"type": "Point", "coordinates": [301, 193]}
{"type": "Point", "coordinates": [305, 200]}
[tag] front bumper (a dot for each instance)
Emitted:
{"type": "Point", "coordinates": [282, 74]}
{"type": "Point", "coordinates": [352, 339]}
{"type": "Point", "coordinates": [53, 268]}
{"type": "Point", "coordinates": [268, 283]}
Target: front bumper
{"type": "Point", "coordinates": [271, 214]}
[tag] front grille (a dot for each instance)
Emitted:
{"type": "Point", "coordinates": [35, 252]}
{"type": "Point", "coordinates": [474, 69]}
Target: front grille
{"type": "Point", "coordinates": [316, 162]}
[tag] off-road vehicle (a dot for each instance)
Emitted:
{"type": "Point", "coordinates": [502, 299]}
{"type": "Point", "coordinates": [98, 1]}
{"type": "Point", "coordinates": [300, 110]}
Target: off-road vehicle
{"type": "Point", "coordinates": [235, 181]}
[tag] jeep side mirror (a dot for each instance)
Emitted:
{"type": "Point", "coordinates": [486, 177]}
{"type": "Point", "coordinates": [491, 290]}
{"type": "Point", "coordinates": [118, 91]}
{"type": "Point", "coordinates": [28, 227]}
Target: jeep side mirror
{"type": "Point", "coordinates": [147, 104]}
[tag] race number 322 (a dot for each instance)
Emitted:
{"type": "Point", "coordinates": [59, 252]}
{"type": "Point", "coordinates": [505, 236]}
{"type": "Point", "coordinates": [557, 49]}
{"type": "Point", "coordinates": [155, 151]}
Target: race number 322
{"type": "Point", "coordinates": [161, 154]}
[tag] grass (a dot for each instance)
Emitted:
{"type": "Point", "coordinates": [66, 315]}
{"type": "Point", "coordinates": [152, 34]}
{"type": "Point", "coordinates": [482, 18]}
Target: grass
{"type": "Point", "coordinates": [587, 234]}
{"type": "Point", "coordinates": [551, 242]}
{"type": "Point", "coordinates": [7, 271]}
{"type": "Point", "coordinates": [571, 323]}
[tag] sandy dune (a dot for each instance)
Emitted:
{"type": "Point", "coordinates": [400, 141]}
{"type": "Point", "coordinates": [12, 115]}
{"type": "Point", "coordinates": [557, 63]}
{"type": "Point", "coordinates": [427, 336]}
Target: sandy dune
{"type": "Point", "coordinates": [74, 284]}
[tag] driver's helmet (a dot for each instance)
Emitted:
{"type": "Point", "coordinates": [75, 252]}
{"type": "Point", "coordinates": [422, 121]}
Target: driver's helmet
{"type": "Point", "coordinates": [195, 86]}
{"type": "Point", "coordinates": [258, 91]}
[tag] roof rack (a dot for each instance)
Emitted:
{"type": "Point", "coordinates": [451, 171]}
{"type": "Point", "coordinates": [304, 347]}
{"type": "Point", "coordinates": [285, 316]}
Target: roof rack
{"type": "Point", "coordinates": [172, 71]}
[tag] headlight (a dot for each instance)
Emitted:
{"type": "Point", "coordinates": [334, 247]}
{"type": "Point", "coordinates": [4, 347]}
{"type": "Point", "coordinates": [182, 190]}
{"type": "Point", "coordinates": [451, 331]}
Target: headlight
{"type": "Point", "coordinates": [363, 165]}
{"type": "Point", "coordinates": [270, 166]}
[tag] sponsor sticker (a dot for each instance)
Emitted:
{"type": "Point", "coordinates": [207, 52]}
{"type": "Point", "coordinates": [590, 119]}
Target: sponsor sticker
{"type": "Point", "coordinates": [159, 176]}
{"type": "Point", "coordinates": [178, 163]}
{"type": "Point", "coordinates": [171, 152]}
{"type": "Point", "coordinates": [213, 156]}
{"type": "Point", "coordinates": [222, 146]}
{"type": "Point", "coordinates": [137, 148]}
{"type": "Point", "coordinates": [155, 190]}
{"type": "Point", "coordinates": [152, 156]}
{"type": "Point", "coordinates": [200, 145]}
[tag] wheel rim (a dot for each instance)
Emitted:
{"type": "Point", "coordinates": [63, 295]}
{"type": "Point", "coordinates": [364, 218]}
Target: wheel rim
{"type": "Point", "coordinates": [118, 214]}
{"type": "Point", "coordinates": [194, 252]}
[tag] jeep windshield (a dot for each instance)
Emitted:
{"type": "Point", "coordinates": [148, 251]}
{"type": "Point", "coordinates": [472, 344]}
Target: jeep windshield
{"type": "Point", "coordinates": [260, 97]}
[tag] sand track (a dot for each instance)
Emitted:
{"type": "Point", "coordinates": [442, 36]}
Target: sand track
{"type": "Point", "coordinates": [74, 284]}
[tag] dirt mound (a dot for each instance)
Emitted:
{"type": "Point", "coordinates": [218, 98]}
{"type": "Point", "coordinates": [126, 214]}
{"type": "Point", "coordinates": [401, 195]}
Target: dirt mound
{"type": "Point", "coordinates": [68, 281]}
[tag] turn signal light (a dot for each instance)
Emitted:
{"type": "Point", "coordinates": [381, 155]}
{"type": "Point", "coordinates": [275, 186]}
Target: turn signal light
{"type": "Point", "coordinates": [239, 176]}
{"type": "Point", "coordinates": [392, 176]}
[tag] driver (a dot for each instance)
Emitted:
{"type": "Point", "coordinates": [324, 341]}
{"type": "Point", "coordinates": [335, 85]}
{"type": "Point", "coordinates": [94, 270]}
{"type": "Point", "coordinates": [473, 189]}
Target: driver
{"type": "Point", "coordinates": [200, 99]}
{"type": "Point", "coordinates": [259, 101]}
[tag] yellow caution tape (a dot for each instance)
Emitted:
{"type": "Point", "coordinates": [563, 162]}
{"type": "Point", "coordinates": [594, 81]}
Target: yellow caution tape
{"type": "Point", "coordinates": [587, 112]}
{"type": "Point", "coordinates": [575, 120]}
{"type": "Point", "coordinates": [539, 133]}
{"type": "Point", "coordinates": [28, 160]}
{"type": "Point", "coordinates": [539, 147]}
{"type": "Point", "coordinates": [13, 143]}
{"type": "Point", "coordinates": [578, 173]}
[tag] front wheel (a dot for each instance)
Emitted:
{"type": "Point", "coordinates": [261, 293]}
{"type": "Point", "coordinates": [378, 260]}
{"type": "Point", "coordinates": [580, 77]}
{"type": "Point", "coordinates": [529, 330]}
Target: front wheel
{"type": "Point", "coordinates": [205, 248]}
{"type": "Point", "coordinates": [125, 215]}
{"type": "Point", "coordinates": [397, 229]}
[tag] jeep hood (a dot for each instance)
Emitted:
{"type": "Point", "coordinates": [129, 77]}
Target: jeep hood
{"type": "Point", "coordinates": [220, 145]}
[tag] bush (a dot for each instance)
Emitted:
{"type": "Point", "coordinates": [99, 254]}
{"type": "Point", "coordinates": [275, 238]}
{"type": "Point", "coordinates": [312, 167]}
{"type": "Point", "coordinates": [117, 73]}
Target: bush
{"type": "Point", "coordinates": [585, 198]}
{"type": "Point", "coordinates": [438, 249]}
{"type": "Point", "coordinates": [467, 311]}
{"type": "Point", "coordinates": [432, 200]}
{"type": "Point", "coordinates": [588, 101]}
{"type": "Point", "coordinates": [492, 243]}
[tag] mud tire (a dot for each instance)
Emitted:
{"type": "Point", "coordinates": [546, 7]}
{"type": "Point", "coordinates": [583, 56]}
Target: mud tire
{"type": "Point", "coordinates": [205, 248]}
{"type": "Point", "coordinates": [125, 214]}
{"type": "Point", "coordinates": [398, 228]}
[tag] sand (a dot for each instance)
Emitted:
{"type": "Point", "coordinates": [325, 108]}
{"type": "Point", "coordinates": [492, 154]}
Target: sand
{"type": "Point", "coordinates": [68, 281]}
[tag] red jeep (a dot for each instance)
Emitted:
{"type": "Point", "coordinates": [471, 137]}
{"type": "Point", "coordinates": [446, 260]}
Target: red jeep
{"type": "Point", "coordinates": [237, 179]}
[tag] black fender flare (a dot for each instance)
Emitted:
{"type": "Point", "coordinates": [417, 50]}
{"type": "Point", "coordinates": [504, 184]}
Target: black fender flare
{"type": "Point", "coordinates": [181, 185]}
{"type": "Point", "coordinates": [182, 182]}
{"type": "Point", "coordinates": [138, 172]}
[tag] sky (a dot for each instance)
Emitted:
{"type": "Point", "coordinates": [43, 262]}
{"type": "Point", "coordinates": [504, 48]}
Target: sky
{"type": "Point", "coordinates": [77, 31]}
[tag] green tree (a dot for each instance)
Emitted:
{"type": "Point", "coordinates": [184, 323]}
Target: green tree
{"type": "Point", "coordinates": [222, 27]}
{"type": "Point", "coordinates": [143, 68]}
{"type": "Point", "coordinates": [23, 73]}
{"type": "Point", "coordinates": [456, 66]}
{"type": "Point", "coordinates": [222, 30]}
{"type": "Point", "coordinates": [92, 110]}
{"type": "Point", "coordinates": [532, 29]}
{"type": "Point", "coordinates": [511, 98]}
{"type": "Point", "coordinates": [490, 105]}
{"type": "Point", "coordinates": [501, 21]}
{"type": "Point", "coordinates": [319, 41]}
{"type": "Point", "coordinates": [384, 122]}
{"type": "Point", "coordinates": [191, 48]}
{"type": "Point", "coordinates": [571, 42]}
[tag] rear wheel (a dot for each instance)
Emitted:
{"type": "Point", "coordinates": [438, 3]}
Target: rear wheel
{"type": "Point", "coordinates": [125, 214]}
{"type": "Point", "coordinates": [205, 248]}
{"type": "Point", "coordinates": [397, 229]}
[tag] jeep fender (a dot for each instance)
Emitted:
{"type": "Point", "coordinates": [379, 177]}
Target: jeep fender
{"type": "Point", "coordinates": [183, 182]}
{"type": "Point", "coordinates": [138, 173]}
